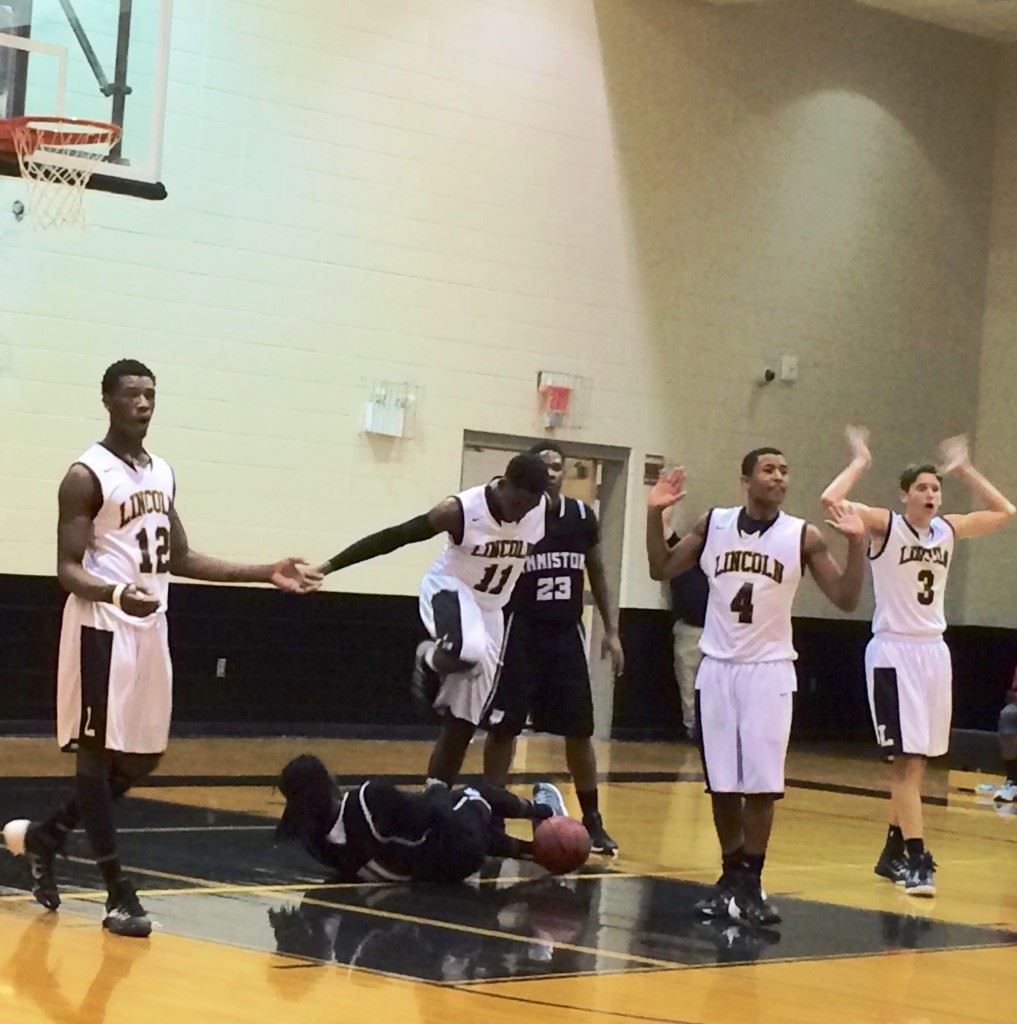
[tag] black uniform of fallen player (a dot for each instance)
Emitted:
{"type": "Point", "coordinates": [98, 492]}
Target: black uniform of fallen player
{"type": "Point", "coordinates": [376, 831]}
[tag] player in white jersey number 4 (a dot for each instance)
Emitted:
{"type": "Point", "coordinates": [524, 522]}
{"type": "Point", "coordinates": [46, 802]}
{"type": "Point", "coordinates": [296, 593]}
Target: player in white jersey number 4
{"type": "Point", "coordinates": [491, 529]}
{"type": "Point", "coordinates": [754, 557]}
{"type": "Point", "coordinates": [119, 537]}
{"type": "Point", "coordinates": [907, 664]}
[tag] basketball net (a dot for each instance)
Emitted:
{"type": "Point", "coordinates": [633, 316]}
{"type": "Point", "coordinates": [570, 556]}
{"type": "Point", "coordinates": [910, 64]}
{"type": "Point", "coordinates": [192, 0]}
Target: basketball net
{"type": "Point", "coordinates": [56, 158]}
{"type": "Point", "coordinates": [556, 404]}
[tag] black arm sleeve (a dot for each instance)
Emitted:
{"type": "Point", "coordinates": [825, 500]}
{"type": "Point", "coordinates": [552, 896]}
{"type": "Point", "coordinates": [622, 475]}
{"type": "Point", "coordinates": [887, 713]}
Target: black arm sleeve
{"type": "Point", "coordinates": [382, 543]}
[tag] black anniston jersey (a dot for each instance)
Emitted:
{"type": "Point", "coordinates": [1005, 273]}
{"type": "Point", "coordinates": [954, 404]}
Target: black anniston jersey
{"type": "Point", "coordinates": [551, 586]}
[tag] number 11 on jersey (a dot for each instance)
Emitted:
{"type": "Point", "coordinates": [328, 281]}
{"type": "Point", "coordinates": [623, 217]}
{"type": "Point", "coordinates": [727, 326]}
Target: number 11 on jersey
{"type": "Point", "coordinates": [484, 586]}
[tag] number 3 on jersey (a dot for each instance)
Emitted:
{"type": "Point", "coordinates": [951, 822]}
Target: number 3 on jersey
{"type": "Point", "coordinates": [742, 604]}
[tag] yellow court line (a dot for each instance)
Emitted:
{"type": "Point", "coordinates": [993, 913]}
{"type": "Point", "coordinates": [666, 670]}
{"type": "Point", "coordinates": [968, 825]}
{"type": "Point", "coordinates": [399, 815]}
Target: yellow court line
{"type": "Point", "coordinates": [212, 889]}
{"type": "Point", "coordinates": [207, 887]}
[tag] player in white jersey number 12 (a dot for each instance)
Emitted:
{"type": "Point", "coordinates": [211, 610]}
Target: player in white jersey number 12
{"type": "Point", "coordinates": [907, 664]}
{"type": "Point", "coordinates": [119, 538]}
{"type": "Point", "coordinates": [754, 557]}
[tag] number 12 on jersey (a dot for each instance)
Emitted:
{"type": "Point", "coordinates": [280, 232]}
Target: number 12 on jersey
{"type": "Point", "coordinates": [741, 605]}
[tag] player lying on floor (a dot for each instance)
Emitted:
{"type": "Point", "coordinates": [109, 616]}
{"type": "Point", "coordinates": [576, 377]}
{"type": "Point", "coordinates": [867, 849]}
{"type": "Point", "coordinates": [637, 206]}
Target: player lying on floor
{"type": "Point", "coordinates": [376, 831]}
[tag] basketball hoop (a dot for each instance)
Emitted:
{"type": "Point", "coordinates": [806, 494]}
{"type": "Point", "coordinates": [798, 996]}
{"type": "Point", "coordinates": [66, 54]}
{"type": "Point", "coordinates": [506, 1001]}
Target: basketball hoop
{"type": "Point", "coordinates": [556, 404]}
{"type": "Point", "coordinates": [56, 157]}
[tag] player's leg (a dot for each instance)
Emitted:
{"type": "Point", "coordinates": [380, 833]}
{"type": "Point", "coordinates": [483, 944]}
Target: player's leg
{"type": "Point", "coordinates": [136, 728]}
{"type": "Point", "coordinates": [718, 748]}
{"type": "Point", "coordinates": [564, 706]}
{"type": "Point", "coordinates": [925, 684]}
{"type": "Point", "coordinates": [464, 697]}
{"type": "Point", "coordinates": [764, 699]}
{"type": "Point", "coordinates": [39, 841]}
{"type": "Point", "coordinates": [504, 805]}
{"type": "Point", "coordinates": [884, 708]}
{"type": "Point", "coordinates": [441, 655]}
{"type": "Point", "coordinates": [510, 705]}
{"type": "Point", "coordinates": [1007, 793]}
{"type": "Point", "coordinates": [499, 750]}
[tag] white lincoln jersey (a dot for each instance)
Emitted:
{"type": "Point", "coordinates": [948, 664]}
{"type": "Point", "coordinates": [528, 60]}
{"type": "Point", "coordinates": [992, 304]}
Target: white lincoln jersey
{"type": "Point", "coordinates": [131, 532]}
{"type": "Point", "coordinates": [909, 572]}
{"type": "Point", "coordinates": [753, 580]}
{"type": "Point", "coordinates": [492, 554]}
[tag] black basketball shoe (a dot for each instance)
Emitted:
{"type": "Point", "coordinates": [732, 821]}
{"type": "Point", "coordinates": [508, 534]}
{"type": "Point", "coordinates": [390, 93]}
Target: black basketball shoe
{"type": "Point", "coordinates": [124, 913]}
{"type": "Point", "coordinates": [28, 839]}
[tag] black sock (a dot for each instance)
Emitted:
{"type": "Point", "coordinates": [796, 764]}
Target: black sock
{"type": "Point", "coordinates": [734, 860]}
{"type": "Point", "coordinates": [894, 842]}
{"type": "Point", "coordinates": [1011, 770]}
{"type": "Point", "coordinates": [95, 802]}
{"type": "Point", "coordinates": [754, 862]}
{"type": "Point", "coordinates": [539, 812]}
{"type": "Point", "coordinates": [588, 802]}
{"type": "Point", "coordinates": [510, 846]}
{"type": "Point", "coordinates": [915, 848]}
{"type": "Point", "coordinates": [110, 868]}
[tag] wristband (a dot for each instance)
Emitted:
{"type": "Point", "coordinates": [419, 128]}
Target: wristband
{"type": "Point", "coordinates": [118, 593]}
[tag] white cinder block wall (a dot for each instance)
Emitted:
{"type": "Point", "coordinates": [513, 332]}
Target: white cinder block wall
{"type": "Point", "coordinates": [990, 590]}
{"type": "Point", "coordinates": [657, 194]}
{"type": "Point", "coordinates": [807, 178]}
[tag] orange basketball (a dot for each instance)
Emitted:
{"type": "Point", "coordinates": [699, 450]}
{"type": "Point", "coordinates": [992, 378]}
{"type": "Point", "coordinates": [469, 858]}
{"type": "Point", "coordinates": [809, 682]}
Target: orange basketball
{"type": "Point", "coordinates": [561, 844]}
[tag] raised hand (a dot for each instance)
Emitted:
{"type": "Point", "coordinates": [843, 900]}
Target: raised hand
{"type": "Point", "coordinates": [845, 519]}
{"type": "Point", "coordinates": [668, 490]}
{"type": "Point", "coordinates": [858, 442]}
{"type": "Point", "coordinates": [954, 455]}
{"type": "Point", "coordinates": [290, 575]}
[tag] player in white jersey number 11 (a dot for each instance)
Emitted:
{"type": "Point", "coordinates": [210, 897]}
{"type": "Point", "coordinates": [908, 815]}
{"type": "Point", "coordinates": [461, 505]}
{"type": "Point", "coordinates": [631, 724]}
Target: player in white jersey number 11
{"type": "Point", "coordinates": [490, 530]}
{"type": "Point", "coordinates": [907, 664]}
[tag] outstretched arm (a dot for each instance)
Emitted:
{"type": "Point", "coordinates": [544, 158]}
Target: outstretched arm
{"type": "Point", "coordinates": [445, 517]}
{"type": "Point", "coordinates": [285, 574]}
{"type": "Point", "coordinates": [955, 458]}
{"type": "Point", "coordinates": [875, 519]}
{"type": "Point", "coordinates": [842, 587]}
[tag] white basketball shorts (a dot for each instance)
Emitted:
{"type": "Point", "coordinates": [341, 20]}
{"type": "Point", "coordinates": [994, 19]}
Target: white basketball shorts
{"type": "Point", "coordinates": [449, 610]}
{"type": "Point", "coordinates": [744, 712]}
{"type": "Point", "coordinates": [910, 684]}
{"type": "Point", "coordinates": [114, 680]}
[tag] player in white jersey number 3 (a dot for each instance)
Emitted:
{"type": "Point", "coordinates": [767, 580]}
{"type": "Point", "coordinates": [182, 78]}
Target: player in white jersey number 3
{"type": "Point", "coordinates": [118, 539]}
{"type": "Point", "coordinates": [907, 664]}
{"type": "Point", "coordinates": [754, 557]}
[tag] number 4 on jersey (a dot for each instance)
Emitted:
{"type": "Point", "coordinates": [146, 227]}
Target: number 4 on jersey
{"type": "Point", "coordinates": [742, 604]}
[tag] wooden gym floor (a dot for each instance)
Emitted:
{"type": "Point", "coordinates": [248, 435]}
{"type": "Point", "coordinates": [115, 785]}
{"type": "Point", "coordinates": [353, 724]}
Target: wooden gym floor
{"type": "Point", "coordinates": [248, 932]}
